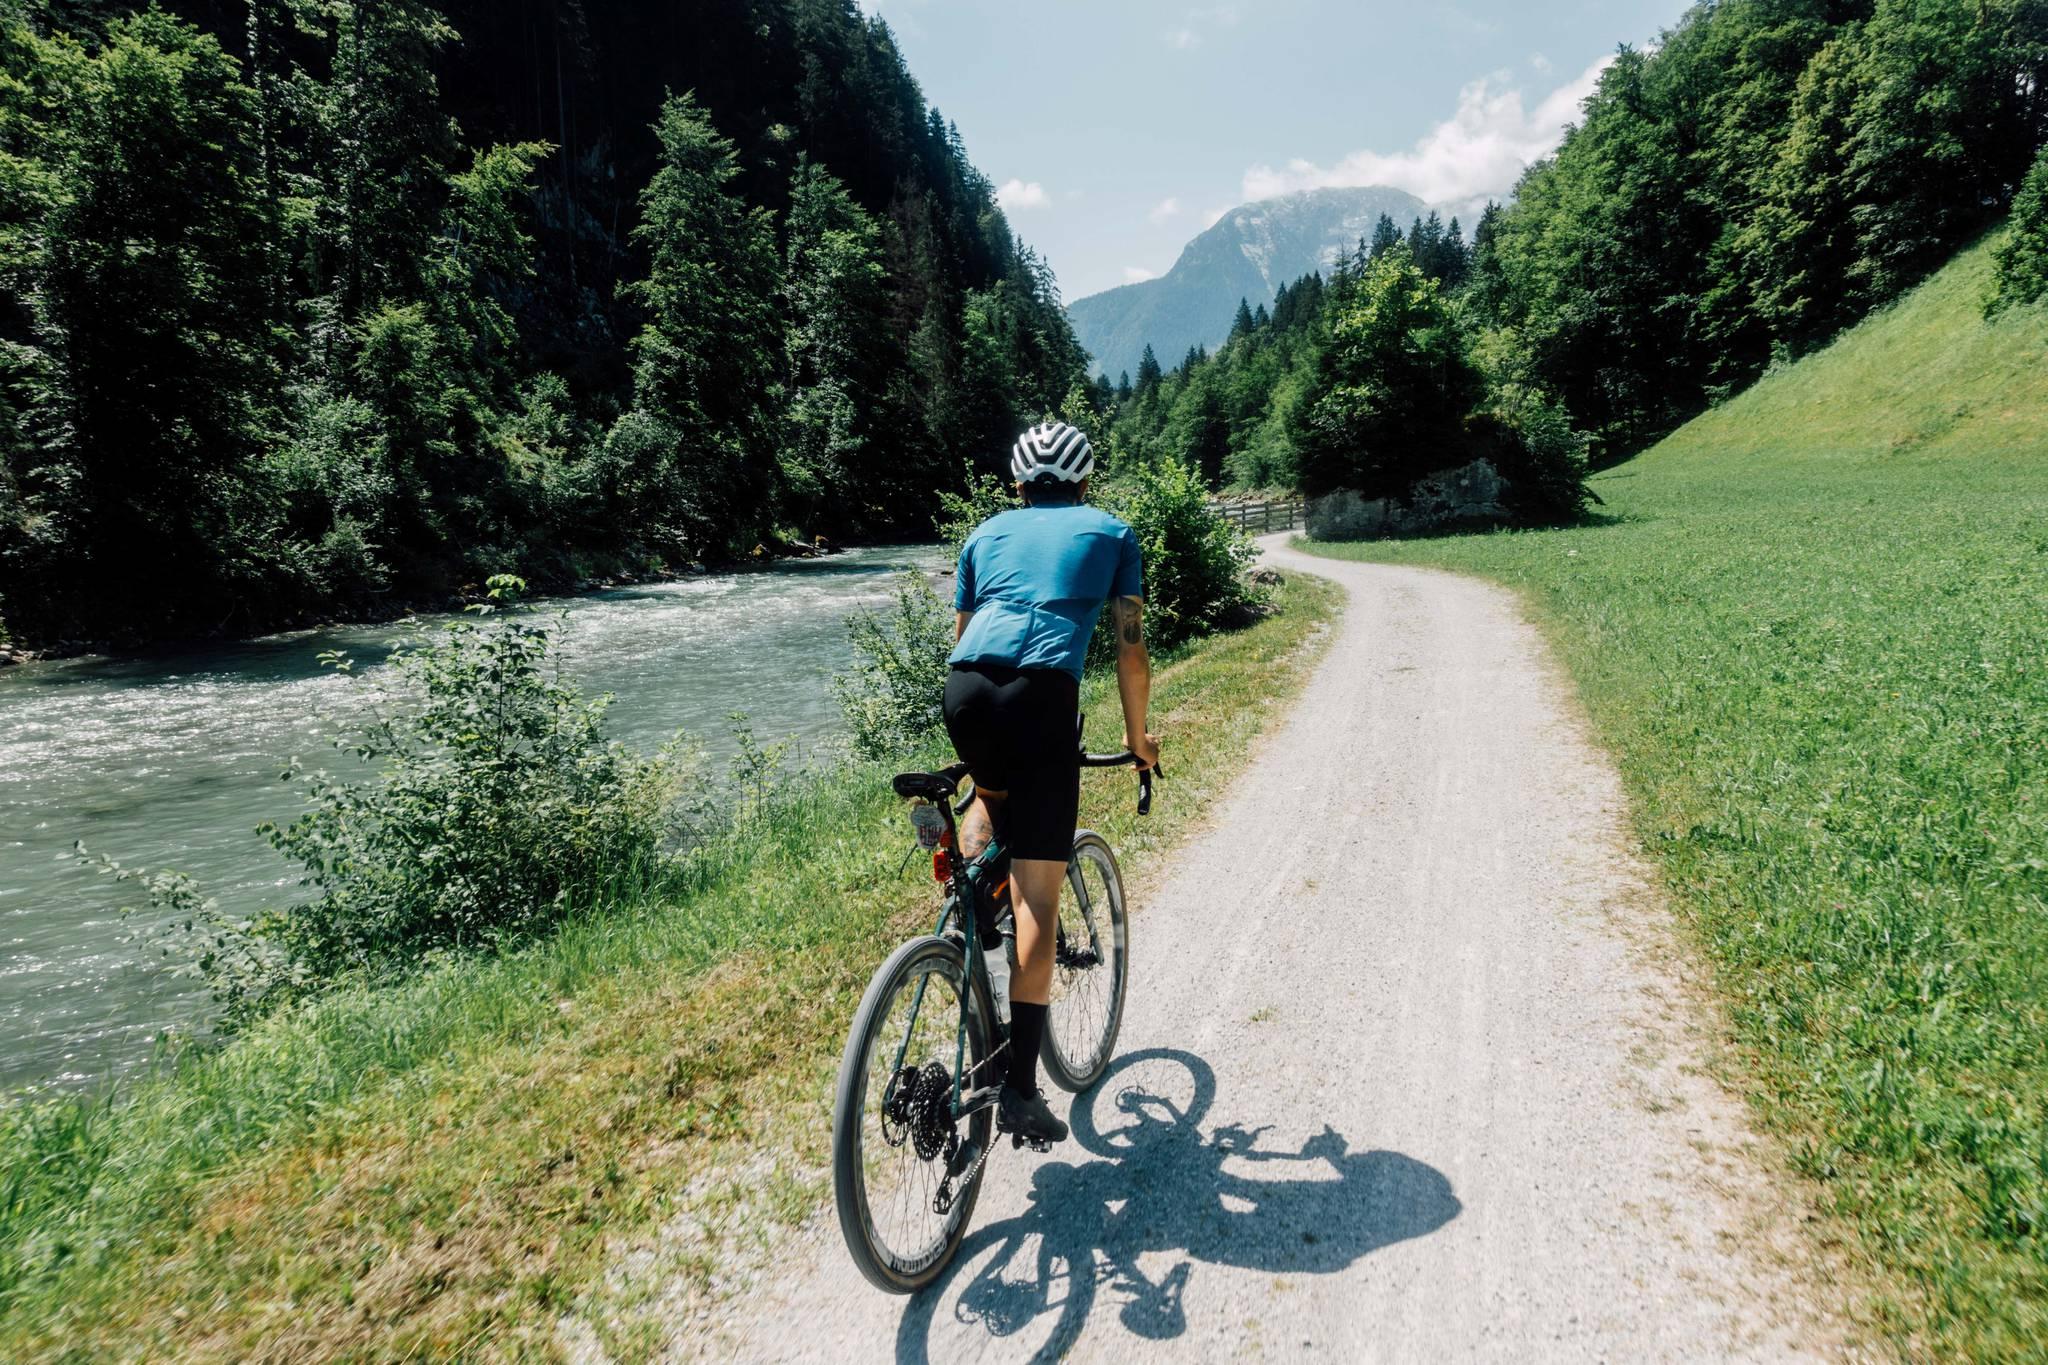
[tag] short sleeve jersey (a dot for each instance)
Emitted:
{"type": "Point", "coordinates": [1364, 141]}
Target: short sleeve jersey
{"type": "Point", "coordinates": [1036, 578]}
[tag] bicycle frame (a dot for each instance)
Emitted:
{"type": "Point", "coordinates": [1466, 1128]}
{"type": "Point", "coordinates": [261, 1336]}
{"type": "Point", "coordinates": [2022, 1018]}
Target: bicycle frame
{"type": "Point", "coordinates": [964, 882]}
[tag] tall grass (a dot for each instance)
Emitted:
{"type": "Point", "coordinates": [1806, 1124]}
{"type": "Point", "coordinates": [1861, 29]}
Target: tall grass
{"type": "Point", "coordinates": [447, 1165]}
{"type": "Point", "coordinates": [1814, 630]}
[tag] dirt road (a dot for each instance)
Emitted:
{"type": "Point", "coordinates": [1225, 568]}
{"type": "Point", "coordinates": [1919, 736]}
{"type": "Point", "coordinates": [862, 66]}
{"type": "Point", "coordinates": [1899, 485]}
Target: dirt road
{"type": "Point", "coordinates": [1408, 1072]}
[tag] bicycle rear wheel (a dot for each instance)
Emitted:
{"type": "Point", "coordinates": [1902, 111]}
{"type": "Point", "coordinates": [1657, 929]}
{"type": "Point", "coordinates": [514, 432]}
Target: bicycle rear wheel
{"type": "Point", "coordinates": [892, 1126]}
{"type": "Point", "coordinates": [1091, 968]}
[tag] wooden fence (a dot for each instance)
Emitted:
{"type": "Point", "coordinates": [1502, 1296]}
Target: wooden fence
{"type": "Point", "coordinates": [1283, 514]}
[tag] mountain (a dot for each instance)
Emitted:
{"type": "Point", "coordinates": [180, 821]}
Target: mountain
{"type": "Point", "coordinates": [1249, 253]}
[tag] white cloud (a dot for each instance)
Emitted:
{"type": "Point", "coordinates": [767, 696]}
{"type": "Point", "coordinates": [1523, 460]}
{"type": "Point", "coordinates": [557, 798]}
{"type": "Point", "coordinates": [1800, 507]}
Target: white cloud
{"type": "Point", "coordinates": [1476, 154]}
{"type": "Point", "coordinates": [1188, 33]}
{"type": "Point", "coordinates": [1138, 274]}
{"type": "Point", "coordinates": [1164, 209]}
{"type": "Point", "coordinates": [1540, 63]}
{"type": "Point", "coordinates": [1018, 194]}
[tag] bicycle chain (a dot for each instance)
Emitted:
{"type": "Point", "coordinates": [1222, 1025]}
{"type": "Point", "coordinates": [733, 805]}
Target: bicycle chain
{"type": "Point", "coordinates": [942, 1201]}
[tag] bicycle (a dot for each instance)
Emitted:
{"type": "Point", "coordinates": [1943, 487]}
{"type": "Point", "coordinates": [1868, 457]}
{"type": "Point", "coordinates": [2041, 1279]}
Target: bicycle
{"type": "Point", "coordinates": [905, 1176]}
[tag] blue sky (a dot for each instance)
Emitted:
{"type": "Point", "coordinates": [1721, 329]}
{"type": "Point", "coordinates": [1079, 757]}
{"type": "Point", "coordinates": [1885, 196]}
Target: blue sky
{"type": "Point", "coordinates": [1118, 129]}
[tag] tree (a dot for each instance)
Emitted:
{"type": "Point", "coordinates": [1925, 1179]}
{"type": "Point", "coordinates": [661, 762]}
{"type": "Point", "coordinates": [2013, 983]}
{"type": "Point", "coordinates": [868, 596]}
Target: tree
{"type": "Point", "coordinates": [1385, 237]}
{"type": "Point", "coordinates": [154, 313]}
{"type": "Point", "coordinates": [2023, 254]}
{"type": "Point", "coordinates": [1123, 387]}
{"type": "Point", "coordinates": [834, 284]}
{"type": "Point", "coordinates": [704, 362]}
{"type": "Point", "coordinates": [1243, 323]}
{"type": "Point", "coordinates": [1149, 373]}
{"type": "Point", "coordinates": [1391, 389]}
{"type": "Point", "coordinates": [1455, 257]}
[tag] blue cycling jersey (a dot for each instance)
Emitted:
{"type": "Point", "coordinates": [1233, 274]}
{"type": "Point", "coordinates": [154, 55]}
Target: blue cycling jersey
{"type": "Point", "coordinates": [1036, 578]}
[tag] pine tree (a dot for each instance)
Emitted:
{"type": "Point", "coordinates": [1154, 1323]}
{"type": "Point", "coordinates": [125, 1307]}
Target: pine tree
{"type": "Point", "coordinates": [154, 306]}
{"type": "Point", "coordinates": [1243, 323]}
{"type": "Point", "coordinates": [1425, 244]}
{"type": "Point", "coordinates": [1123, 387]}
{"type": "Point", "coordinates": [834, 283]}
{"type": "Point", "coordinates": [1261, 319]}
{"type": "Point", "coordinates": [705, 361]}
{"type": "Point", "coordinates": [1456, 258]}
{"type": "Point", "coordinates": [1385, 237]}
{"type": "Point", "coordinates": [1488, 284]}
{"type": "Point", "coordinates": [1149, 373]}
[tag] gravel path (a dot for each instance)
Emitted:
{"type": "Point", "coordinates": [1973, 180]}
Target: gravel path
{"type": "Point", "coordinates": [1409, 1071]}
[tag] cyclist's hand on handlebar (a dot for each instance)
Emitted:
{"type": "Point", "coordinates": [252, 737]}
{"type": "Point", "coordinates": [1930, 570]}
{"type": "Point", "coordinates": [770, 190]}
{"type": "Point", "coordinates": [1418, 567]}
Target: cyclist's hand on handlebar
{"type": "Point", "coordinates": [1145, 746]}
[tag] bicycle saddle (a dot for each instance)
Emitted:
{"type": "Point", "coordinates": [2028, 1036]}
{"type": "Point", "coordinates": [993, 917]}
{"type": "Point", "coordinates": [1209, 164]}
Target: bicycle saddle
{"type": "Point", "coordinates": [938, 786]}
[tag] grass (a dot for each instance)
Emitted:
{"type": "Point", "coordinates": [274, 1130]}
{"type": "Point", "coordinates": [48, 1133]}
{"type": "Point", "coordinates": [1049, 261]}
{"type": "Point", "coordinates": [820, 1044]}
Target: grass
{"type": "Point", "coordinates": [451, 1168]}
{"type": "Point", "coordinates": [1813, 629]}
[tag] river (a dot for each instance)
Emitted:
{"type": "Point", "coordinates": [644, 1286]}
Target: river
{"type": "Point", "coordinates": [171, 760]}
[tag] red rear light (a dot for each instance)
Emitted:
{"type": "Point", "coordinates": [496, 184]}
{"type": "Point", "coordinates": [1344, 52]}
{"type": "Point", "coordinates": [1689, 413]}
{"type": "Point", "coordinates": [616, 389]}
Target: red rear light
{"type": "Point", "coordinates": [942, 865]}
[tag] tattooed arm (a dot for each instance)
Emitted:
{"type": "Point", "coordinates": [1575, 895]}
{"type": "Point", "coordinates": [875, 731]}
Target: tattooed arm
{"type": "Point", "coordinates": [1134, 676]}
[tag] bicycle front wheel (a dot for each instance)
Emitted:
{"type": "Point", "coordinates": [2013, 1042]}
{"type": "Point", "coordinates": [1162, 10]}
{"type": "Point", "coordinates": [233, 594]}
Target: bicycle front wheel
{"type": "Point", "coordinates": [893, 1132]}
{"type": "Point", "coordinates": [1091, 968]}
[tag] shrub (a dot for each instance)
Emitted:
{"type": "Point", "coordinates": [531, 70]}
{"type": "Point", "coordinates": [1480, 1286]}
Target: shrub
{"type": "Point", "coordinates": [498, 809]}
{"type": "Point", "coordinates": [1194, 560]}
{"type": "Point", "coordinates": [959, 514]}
{"type": "Point", "coordinates": [2023, 255]}
{"type": "Point", "coordinates": [1540, 454]}
{"type": "Point", "coordinates": [893, 698]}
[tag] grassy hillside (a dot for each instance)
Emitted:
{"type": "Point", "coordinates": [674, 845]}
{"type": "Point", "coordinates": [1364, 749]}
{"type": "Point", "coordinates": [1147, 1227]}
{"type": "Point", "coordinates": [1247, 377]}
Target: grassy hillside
{"type": "Point", "coordinates": [1813, 628]}
{"type": "Point", "coordinates": [448, 1169]}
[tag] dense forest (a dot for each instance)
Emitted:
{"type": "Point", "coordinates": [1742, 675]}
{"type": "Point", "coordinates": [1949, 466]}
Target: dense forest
{"type": "Point", "coordinates": [1768, 174]}
{"type": "Point", "coordinates": [313, 307]}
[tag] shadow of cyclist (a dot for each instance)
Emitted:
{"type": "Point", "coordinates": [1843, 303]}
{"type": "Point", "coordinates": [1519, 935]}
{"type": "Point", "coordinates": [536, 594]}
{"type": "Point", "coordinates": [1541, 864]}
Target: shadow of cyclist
{"type": "Point", "coordinates": [1166, 1189]}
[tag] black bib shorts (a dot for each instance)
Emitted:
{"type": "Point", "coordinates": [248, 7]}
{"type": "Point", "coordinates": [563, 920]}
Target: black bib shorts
{"type": "Point", "coordinates": [1014, 728]}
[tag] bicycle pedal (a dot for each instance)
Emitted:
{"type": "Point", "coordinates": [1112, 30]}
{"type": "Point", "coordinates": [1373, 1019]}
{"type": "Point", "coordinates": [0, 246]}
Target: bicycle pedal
{"type": "Point", "coordinates": [1035, 1144]}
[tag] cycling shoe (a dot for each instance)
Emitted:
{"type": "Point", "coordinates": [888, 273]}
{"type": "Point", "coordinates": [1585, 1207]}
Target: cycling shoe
{"type": "Point", "coordinates": [1029, 1116]}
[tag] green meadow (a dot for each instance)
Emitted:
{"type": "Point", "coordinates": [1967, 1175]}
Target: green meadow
{"type": "Point", "coordinates": [1812, 628]}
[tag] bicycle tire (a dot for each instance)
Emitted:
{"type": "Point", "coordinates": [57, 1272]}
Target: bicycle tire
{"type": "Point", "coordinates": [855, 1115]}
{"type": "Point", "coordinates": [1087, 1009]}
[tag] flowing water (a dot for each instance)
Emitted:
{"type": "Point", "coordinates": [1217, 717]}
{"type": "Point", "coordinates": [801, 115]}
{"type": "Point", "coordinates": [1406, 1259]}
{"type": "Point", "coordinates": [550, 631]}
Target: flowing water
{"type": "Point", "coordinates": [170, 761]}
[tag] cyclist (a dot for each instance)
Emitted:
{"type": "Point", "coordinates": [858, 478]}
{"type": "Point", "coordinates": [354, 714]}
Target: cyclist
{"type": "Point", "coordinates": [1032, 582]}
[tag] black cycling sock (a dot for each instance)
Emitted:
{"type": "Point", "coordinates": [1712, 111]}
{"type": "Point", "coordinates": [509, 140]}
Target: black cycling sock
{"type": "Point", "coordinates": [1027, 1031]}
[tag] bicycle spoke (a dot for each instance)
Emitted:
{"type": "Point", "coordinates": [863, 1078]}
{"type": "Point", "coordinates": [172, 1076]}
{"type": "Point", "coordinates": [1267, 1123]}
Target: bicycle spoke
{"type": "Point", "coordinates": [918, 1025]}
{"type": "Point", "coordinates": [1089, 971]}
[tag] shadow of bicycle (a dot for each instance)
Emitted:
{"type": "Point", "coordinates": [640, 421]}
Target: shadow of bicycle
{"type": "Point", "coordinates": [1167, 1192]}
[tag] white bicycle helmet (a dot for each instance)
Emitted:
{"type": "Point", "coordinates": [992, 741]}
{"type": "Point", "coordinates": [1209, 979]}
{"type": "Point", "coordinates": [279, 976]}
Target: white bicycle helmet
{"type": "Point", "coordinates": [1055, 449]}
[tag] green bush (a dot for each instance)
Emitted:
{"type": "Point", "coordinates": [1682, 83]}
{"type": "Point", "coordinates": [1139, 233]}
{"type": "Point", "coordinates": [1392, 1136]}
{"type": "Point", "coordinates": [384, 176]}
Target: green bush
{"type": "Point", "coordinates": [960, 514]}
{"type": "Point", "coordinates": [2023, 255]}
{"type": "Point", "coordinates": [894, 696]}
{"type": "Point", "coordinates": [1195, 562]}
{"type": "Point", "coordinates": [497, 810]}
